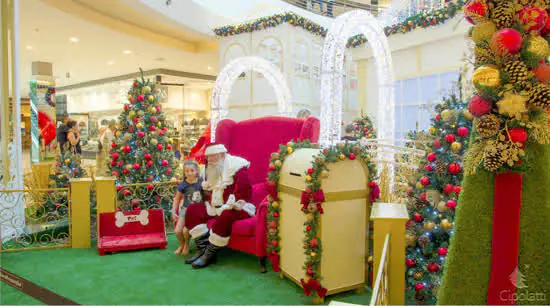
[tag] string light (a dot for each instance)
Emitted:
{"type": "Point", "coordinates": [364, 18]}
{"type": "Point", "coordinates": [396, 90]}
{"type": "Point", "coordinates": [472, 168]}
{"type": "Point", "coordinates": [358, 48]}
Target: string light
{"type": "Point", "coordinates": [228, 76]}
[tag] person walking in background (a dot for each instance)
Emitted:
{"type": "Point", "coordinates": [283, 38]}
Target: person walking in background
{"type": "Point", "coordinates": [330, 3]}
{"type": "Point", "coordinates": [349, 133]}
{"type": "Point", "coordinates": [303, 114]}
{"type": "Point", "coordinates": [73, 137]}
{"type": "Point", "coordinates": [62, 133]}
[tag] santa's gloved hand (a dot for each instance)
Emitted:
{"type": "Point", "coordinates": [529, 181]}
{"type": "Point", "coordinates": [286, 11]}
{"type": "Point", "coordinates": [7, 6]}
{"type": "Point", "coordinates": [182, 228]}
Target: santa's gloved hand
{"type": "Point", "coordinates": [231, 202]}
{"type": "Point", "coordinates": [239, 205]}
{"type": "Point", "coordinates": [210, 210]}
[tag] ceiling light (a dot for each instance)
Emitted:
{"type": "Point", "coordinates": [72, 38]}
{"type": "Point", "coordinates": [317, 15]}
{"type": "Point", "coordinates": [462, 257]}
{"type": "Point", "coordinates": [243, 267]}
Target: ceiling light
{"type": "Point", "coordinates": [110, 62]}
{"type": "Point", "coordinates": [29, 47]}
{"type": "Point", "coordinates": [209, 68]}
{"type": "Point", "coordinates": [127, 51]}
{"type": "Point", "coordinates": [74, 39]}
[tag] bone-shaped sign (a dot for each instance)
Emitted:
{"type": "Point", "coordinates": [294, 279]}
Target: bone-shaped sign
{"type": "Point", "coordinates": [121, 219]}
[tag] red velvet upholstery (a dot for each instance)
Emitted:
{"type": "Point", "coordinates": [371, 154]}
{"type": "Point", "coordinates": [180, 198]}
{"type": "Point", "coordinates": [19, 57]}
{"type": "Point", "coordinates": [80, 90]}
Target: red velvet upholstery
{"type": "Point", "coordinates": [255, 140]}
{"type": "Point", "coordinates": [132, 235]}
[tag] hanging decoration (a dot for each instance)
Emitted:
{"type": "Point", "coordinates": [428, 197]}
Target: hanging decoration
{"type": "Point", "coordinates": [421, 20]}
{"type": "Point", "coordinates": [312, 203]}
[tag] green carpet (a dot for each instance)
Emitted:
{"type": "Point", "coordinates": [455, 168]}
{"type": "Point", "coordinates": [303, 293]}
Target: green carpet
{"type": "Point", "coordinates": [467, 270]}
{"type": "Point", "coordinates": [154, 277]}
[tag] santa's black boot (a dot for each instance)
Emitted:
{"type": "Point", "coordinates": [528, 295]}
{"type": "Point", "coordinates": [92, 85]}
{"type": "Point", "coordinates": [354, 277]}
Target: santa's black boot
{"type": "Point", "coordinates": [207, 258]}
{"type": "Point", "coordinates": [201, 243]}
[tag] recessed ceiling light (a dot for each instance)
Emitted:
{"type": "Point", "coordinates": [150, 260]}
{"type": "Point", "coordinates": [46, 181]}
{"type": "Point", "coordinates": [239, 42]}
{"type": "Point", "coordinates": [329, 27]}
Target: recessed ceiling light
{"type": "Point", "coordinates": [110, 62]}
{"type": "Point", "coordinates": [127, 51]}
{"type": "Point", "coordinates": [29, 47]}
{"type": "Point", "coordinates": [209, 68]}
{"type": "Point", "coordinates": [74, 39]}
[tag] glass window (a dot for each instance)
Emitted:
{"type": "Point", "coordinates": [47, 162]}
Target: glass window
{"type": "Point", "coordinates": [410, 91]}
{"type": "Point", "coordinates": [448, 81]}
{"type": "Point", "coordinates": [429, 86]}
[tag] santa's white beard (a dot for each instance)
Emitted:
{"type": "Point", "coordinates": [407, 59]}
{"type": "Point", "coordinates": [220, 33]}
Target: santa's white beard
{"type": "Point", "coordinates": [214, 172]}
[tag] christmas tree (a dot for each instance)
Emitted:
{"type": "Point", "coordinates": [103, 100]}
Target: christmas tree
{"type": "Point", "coordinates": [66, 168]}
{"type": "Point", "coordinates": [433, 198]}
{"type": "Point", "coordinates": [142, 149]}
{"type": "Point", "coordinates": [364, 127]}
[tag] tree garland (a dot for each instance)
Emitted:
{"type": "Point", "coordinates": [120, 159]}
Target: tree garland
{"type": "Point", "coordinates": [421, 20]}
{"type": "Point", "coordinates": [312, 200]}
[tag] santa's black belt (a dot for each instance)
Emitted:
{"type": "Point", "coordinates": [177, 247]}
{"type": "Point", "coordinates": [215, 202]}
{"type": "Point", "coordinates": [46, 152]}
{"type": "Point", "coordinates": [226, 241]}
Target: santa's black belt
{"type": "Point", "coordinates": [219, 206]}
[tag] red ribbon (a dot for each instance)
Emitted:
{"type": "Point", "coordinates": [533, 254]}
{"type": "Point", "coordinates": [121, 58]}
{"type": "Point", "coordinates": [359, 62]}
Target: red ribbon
{"type": "Point", "coordinates": [374, 192]}
{"type": "Point", "coordinates": [308, 197]}
{"type": "Point", "coordinates": [313, 285]}
{"type": "Point", "coordinates": [505, 239]}
{"type": "Point", "coordinates": [274, 259]}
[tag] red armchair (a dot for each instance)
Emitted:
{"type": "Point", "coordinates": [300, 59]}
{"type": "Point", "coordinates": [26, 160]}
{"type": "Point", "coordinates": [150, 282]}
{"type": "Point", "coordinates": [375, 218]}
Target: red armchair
{"type": "Point", "coordinates": [255, 140]}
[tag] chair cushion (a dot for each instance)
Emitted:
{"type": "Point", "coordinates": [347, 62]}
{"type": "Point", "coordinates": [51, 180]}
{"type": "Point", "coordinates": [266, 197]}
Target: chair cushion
{"type": "Point", "coordinates": [132, 240]}
{"type": "Point", "coordinates": [245, 227]}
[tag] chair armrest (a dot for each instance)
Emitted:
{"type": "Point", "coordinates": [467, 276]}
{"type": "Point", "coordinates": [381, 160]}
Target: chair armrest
{"type": "Point", "coordinates": [261, 228]}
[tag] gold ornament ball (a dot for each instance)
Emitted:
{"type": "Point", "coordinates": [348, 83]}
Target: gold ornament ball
{"type": "Point", "coordinates": [341, 146]}
{"type": "Point", "coordinates": [153, 110]}
{"type": "Point", "coordinates": [290, 144]}
{"type": "Point", "coordinates": [150, 98]}
{"type": "Point", "coordinates": [419, 185]}
{"type": "Point", "coordinates": [446, 224]}
{"type": "Point", "coordinates": [324, 173]}
{"type": "Point", "coordinates": [127, 136]}
{"type": "Point", "coordinates": [370, 259]}
{"type": "Point", "coordinates": [60, 176]}
{"type": "Point", "coordinates": [441, 206]}
{"type": "Point", "coordinates": [312, 207]}
{"type": "Point", "coordinates": [447, 115]}
{"type": "Point", "coordinates": [310, 217]}
{"type": "Point", "coordinates": [139, 125]}
{"type": "Point", "coordinates": [433, 130]}
{"type": "Point", "coordinates": [146, 90]}
{"type": "Point", "coordinates": [456, 146]}
{"type": "Point", "coordinates": [429, 226]}
{"type": "Point", "coordinates": [275, 204]}
{"type": "Point", "coordinates": [410, 239]}
{"type": "Point", "coordinates": [129, 96]}
{"type": "Point", "coordinates": [68, 161]}
{"type": "Point", "coordinates": [159, 124]}
{"type": "Point", "coordinates": [132, 114]}
{"type": "Point", "coordinates": [429, 150]}
{"type": "Point", "coordinates": [538, 46]}
{"type": "Point", "coordinates": [483, 31]}
{"type": "Point", "coordinates": [289, 150]}
{"type": "Point", "coordinates": [278, 163]}
{"type": "Point", "coordinates": [486, 76]}
{"type": "Point", "coordinates": [467, 114]}
{"type": "Point", "coordinates": [342, 157]}
{"type": "Point", "coordinates": [313, 254]}
{"type": "Point", "coordinates": [141, 113]}
{"type": "Point", "coordinates": [418, 275]}
{"type": "Point", "coordinates": [128, 167]}
{"type": "Point", "coordinates": [154, 142]}
{"type": "Point", "coordinates": [118, 134]}
{"type": "Point", "coordinates": [170, 141]}
{"type": "Point", "coordinates": [308, 178]}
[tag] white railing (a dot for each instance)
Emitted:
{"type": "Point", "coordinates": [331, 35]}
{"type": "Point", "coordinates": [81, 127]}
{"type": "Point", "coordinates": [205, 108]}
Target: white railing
{"type": "Point", "coordinates": [380, 293]}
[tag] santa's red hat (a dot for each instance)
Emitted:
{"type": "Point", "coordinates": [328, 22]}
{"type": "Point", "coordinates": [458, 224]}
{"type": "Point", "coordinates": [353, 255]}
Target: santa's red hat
{"type": "Point", "coordinates": [215, 148]}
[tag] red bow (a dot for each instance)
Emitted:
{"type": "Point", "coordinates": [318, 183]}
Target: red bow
{"type": "Point", "coordinates": [313, 285]}
{"type": "Point", "coordinates": [317, 196]}
{"type": "Point", "coordinates": [274, 259]}
{"type": "Point", "coordinates": [272, 192]}
{"type": "Point", "coordinates": [374, 192]}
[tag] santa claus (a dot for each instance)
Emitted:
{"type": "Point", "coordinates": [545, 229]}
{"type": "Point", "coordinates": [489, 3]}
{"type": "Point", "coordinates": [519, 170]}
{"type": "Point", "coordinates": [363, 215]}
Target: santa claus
{"type": "Point", "coordinates": [227, 193]}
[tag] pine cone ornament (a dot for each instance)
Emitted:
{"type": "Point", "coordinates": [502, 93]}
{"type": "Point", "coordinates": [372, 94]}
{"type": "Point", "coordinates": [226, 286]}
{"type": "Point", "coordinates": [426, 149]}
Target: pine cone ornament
{"type": "Point", "coordinates": [503, 14]}
{"type": "Point", "coordinates": [492, 160]}
{"type": "Point", "coordinates": [483, 57]}
{"type": "Point", "coordinates": [440, 167]}
{"type": "Point", "coordinates": [539, 96]}
{"type": "Point", "coordinates": [488, 126]}
{"type": "Point", "coordinates": [517, 72]}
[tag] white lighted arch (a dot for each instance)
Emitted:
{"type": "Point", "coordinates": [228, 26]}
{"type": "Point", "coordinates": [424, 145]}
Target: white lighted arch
{"type": "Point", "coordinates": [230, 73]}
{"type": "Point", "coordinates": [333, 73]}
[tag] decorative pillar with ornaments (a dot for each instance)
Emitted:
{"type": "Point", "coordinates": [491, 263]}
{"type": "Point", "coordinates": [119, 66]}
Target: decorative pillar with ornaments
{"type": "Point", "coordinates": [501, 230]}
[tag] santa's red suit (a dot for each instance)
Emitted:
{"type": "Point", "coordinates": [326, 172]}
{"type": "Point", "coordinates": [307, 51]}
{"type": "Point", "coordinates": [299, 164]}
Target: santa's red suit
{"type": "Point", "coordinates": [226, 201]}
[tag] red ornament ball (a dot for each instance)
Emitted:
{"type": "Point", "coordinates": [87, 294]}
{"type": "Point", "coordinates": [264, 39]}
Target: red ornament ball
{"type": "Point", "coordinates": [451, 204]}
{"type": "Point", "coordinates": [454, 169]}
{"type": "Point", "coordinates": [273, 224]}
{"type": "Point", "coordinates": [132, 100]}
{"type": "Point", "coordinates": [141, 134]}
{"type": "Point", "coordinates": [113, 163]}
{"type": "Point", "coordinates": [113, 145]}
{"type": "Point", "coordinates": [272, 183]}
{"type": "Point", "coordinates": [164, 163]}
{"type": "Point", "coordinates": [120, 163]}
{"type": "Point", "coordinates": [418, 218]}
{"type": "Point", "coordinates": [546, 29]}
{"type": "Point", "coordinates": [125, 171]}
{"type": "Point", "coordinates": [149, 163]}
{"type": "Point", "coordinates": [410, 191]}
{"type": "Point", "coordinates": [308, 228]}
{"type": "Point", "coordinates": [141, 98]}
{"type": "Point", "coordinates": [271, 167]}
{"type": "Point", "coordinates": [411, 263]}
{"type": "Point", "coordinates": [442, 251]}
{"type": "Point", "coordinates": [168, 147]}
{"type": "Point", "coordinates": [168, 171]}
{"type": "Point", "coordinates": [419, 286]}
{"type": "Point", "coordinates": [309, 272]}
{"type": "Point", "coordinates": [475, 10]}
{"type": "Point", "coordinates": [437, 117]}
{"type": "Point", "coordinates": [160, 147]}
{"type": "Point", "coordinates": [479, 106]}
{"type": "Point", "coordinates": [314, 243]}
{"type": "Point", "coordinates": [115, 156]}
{"type": "Point", "coordinates": [431, 157]}
{"type": "Point", "coordinates": [437, 143]}
{"type": "Point", "coordinates": [276, 214]}
{"type": "Point", "coordinates": [462, 131]}
{"type": "Point", "coordinates": [433, 267]}
{"type": "Point", "coordinates": [147, 156]}
{"type": "Point", "coordinates": [136, 119]}
{"type": "Point", "coordinates": [428, 168]}
{"type": "Point", "coordinates": [154, 119]}
{"type": "Point", "coordinates": [152, 128]}
{"type": "Point", "coordinates": [423, 196]}
{"type": "Point", "coordinates": [275, 242]}
{"type": "Point", "coordinates": [310, 171]}
{"type": "Point", "coordinates": [425, 181]}
{"type": "Point", "coordinates": [127, 149]}
{"type": "Point", "coordinates": [137, 166]}
{"type": "Point", "coordinates": [517, 135]}
{"type": "Point", "coordinates": [150, 178]}
{"type": "Point", "coordinates": [135, 203]}
{"type": "Point", "coordinates": [450, 138]}
{"type": "Point", "coordinates": [448, 188]}
{"type": "Point", "coordinates": [351, 156]}
{"type": "Point", "coordinates": [126, 107]}
{"type": "Point", "coordinates": [458, 189]}
{"type": "Point", "coordinates": [115, 173]}
{"type": "Point", "coordinates": [506, 41]}
{"type": "Point", "coordinates": [542, 73]}
{"type": "Point", "coordinates": [160, 132]}
{"type": "Point", "coordinates": [126, 192]}
{"type": "Point", "coordinates": [533, 18]}
{"type": "Point", "coordinates": [150, 187]}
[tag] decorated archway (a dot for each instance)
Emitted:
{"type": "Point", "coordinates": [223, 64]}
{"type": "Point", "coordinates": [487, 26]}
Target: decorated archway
{"type": "Point", "coordinates": [226, 78]}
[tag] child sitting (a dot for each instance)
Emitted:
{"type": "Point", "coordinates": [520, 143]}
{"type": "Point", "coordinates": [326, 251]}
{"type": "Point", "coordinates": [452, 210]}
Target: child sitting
{"type": "Point", "coordinates": [191, 191]}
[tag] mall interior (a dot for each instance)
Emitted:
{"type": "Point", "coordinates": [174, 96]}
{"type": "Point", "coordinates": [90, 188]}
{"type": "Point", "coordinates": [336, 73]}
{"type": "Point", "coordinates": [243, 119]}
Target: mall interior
{"type": "Point", "coordinates": [281, 152]}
